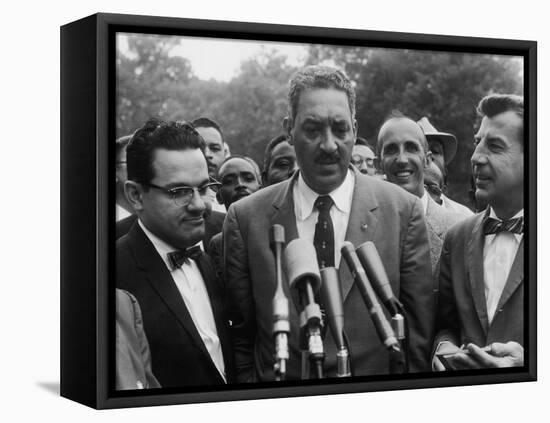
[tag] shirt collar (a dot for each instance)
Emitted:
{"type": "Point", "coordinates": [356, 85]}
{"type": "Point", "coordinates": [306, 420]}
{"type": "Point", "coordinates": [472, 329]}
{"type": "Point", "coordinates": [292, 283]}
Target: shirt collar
{"type": "Point", "coordinates": [162, 247]}
{"type": "Point", "coordinates": [341, 196]}
{"type": "Point", "coordinates": [424, 200]}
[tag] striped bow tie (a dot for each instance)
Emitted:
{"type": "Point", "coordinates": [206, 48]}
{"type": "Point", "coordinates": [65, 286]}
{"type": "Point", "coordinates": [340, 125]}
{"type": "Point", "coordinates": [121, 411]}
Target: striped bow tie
{"type": "Point", "coordinates": [494, 226]}
{"type": "Point", "coordinates": [177, 258]}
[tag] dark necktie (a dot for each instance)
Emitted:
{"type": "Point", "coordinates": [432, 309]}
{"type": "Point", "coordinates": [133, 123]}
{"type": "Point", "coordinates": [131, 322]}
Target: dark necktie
{"type": "Point", "coordinates": [323, 240]}
{"type": "Point", "coordinates": [177, 258]}
{"type": "Point", "coordinates": [494, 226]}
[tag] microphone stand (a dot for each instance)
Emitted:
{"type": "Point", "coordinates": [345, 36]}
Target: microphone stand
{"type": "Point", "coordinates": [281, 324]}
{"type": "Point", "coordinates": [331, 294]}
{"type": "Point", "coordinates": [304, 282]}
{"type": "Point", "coordinates": [311, 324]}
{"type": "Point", "coordinates": [381, 324]}
{"type": "Point", "coordinates": [374, 268]}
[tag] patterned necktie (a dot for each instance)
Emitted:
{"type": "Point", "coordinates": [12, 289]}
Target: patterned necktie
{"type": "Point", "coordinates": [494, 226]}
{"type": "Point", "coordinates": [177, 258]}
{"type": "Point", "coordinates": [323, 240]}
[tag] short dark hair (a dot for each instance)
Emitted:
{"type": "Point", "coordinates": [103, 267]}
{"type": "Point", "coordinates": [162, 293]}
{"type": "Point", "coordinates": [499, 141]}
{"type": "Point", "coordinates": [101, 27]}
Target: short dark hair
{"type": "Point", "coordinates": [397, 114]}
{"type": "Point", "coordinates": [318, 76]}
{"type": "Point", "coordinates": [156, 134]}
{"type": "Point", "coordinates": [247, 159]}
{"type": "Point", "coordinates": [121, 144]}
{"type": "Point", "coordinates": [205, 122]}
{"type": "Point", "coordinates": [362, 141]}
{"type": "Point", "coordinates": [496, 104]}
{"type": "Point", "coordinates": [269, 149]}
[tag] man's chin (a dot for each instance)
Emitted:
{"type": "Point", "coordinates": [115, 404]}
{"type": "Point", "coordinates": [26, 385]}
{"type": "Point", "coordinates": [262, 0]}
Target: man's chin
{"type": "Point", "coordinates": [323, 183]}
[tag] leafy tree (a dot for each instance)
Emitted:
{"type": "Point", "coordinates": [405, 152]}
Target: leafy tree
{"type": "Point", "coordinates": [147, 77]}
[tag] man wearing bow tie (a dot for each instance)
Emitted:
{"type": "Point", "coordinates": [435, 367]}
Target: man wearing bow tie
{"type": "Point", "coordinates": [173, 281]}
{"type": "Point", "coordinates": [326, 203]}
{"type": "Point", "coordinates": [481, 282]}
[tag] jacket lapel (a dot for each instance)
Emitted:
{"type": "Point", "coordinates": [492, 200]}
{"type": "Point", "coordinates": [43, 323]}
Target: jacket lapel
{"type": "Point", "coordinates": [284, 210]}
{"type": "Point", "coordinates": [361, 225]}
{"type": "Point", "coordinates": [515, 277]}
{"type": "Point", "coordinates": [158, 275]}
{"type": "Point", "coordinates": [474, 262]}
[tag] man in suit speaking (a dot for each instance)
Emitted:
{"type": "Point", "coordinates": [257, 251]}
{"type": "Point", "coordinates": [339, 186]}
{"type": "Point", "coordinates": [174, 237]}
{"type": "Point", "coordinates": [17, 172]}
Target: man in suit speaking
{"type": "Point", "coordinates": [481, 282]}
{"type": "Point", "coordinates": [321, 125]}
{"type": "Point", "coordinates": [159, 263]}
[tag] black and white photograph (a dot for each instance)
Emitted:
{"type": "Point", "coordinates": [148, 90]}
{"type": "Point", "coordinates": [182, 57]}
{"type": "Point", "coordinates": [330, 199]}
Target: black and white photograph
{"type": "Point", "coordinates": [300, 214]}
{"type": "Point", "coordinates": [278, 212]}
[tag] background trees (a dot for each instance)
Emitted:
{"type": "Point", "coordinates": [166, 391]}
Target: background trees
{"type": "Point", "coordinates": [445, 87]}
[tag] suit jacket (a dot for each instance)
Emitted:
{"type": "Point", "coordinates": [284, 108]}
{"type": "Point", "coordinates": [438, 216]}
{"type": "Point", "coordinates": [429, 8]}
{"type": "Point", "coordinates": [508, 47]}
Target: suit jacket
{"type": "Point", "coordinates": [133, 357]}
{"type": "Point", "coordinates": [179, 356]}
{"type": "Point", "coordinates": [438, 221]}
{"type": "Point", "coordinates": [380, 212]}
{"type": "Point", "coordinates": [462, 311]}
{"type": "Point", "coordinates": [216, 252]}
{"type": "Point", "coordinates": [213, 224]}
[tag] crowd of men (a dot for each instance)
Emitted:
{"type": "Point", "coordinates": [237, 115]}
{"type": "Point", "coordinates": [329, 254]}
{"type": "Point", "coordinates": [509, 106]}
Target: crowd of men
{"type": "Point", "coordinates": [196, 275]}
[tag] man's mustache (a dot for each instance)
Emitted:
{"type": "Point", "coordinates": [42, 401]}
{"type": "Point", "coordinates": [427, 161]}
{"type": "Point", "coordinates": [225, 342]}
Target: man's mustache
{"type": "Point", "coordinates": [327, 158]}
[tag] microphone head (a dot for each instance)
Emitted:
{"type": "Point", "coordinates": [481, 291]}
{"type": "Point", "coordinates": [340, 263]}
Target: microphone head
{"type": "Point", "coordinates": [277, 234]}
{"type": "Point", "coordinates": [331, 297]}
{"type": "Point", "coordinates": [369, 257]}
{"type": "Point", "coordinates": [376, 272]}
{"type": "Point", "coordinates": [301, 263]}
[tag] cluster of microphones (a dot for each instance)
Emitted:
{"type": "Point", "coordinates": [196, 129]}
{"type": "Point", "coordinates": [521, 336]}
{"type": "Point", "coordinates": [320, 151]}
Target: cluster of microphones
{"type": "Point", "coordinates": [317, 295]}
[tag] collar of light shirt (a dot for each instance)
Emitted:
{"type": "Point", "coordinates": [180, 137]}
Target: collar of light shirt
{"type": "Point", "coordinates": [306, 214]}
{"type": "Point", "coordinates": [121, 213]}
{"type": "Point", "coordinates": [424, 200]}
{"type": "Point", "coordinates": [190, 284]}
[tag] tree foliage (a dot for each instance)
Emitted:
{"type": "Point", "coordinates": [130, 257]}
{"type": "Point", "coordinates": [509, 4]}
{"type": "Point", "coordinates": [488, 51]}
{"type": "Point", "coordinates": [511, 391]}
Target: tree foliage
{"type": "Point", "coordinates": [250, 107]}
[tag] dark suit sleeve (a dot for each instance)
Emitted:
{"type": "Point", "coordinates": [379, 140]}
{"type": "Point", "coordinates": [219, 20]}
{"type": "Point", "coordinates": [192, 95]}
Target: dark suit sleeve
{"type": "Point", "coordinates": [447, 321]}
{"type": "Point", "coordinates": [239, 293]}
{"type": "Point", "coordinates": [416, 292]}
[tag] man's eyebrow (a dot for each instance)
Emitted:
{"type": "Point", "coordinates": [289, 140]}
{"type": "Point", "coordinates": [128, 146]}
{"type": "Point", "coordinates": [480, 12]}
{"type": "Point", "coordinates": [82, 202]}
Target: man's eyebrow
{"type": "Point", "coordinates": [312, 119]}
{"type": "Point", "coordinates": [184, 185]}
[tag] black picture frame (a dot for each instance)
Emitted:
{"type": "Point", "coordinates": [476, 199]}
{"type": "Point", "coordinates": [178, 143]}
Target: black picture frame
{"type": "Point", "coordinates": [87, 205]}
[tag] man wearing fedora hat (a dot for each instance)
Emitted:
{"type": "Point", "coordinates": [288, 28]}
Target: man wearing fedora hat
{"type": "Point", "coordinates": [443, 148]}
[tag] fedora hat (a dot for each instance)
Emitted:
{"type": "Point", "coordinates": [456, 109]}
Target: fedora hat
{"type": "Point", "coordinates": [448, 141]}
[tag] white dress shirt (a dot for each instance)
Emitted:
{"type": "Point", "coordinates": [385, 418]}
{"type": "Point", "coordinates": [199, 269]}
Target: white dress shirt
{"type": "Point", "coordinates": [190, 284]}
{"type": "Point", "coordinates": [499, 252]}
{"type": "Point", "coordinates": [424, 201]}
{"type": "Point", "coordinates": [306, 213]}
{"type": "Point", "coordinates": [121, 213]}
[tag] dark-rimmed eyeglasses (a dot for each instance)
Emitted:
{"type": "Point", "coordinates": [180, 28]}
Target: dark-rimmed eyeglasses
{"type": "Point", "coordinates": [183, 195]}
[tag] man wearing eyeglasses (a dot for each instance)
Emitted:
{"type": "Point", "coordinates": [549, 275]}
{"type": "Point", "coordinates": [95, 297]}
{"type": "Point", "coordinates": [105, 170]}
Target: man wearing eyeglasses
{"type": "Point", "coordinates": [159, 263]}
{"type": "Point", "coordinates": [362, 157]}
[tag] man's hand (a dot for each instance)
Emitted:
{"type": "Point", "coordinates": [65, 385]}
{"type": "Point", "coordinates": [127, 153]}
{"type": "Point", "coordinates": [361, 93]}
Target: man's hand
{"type": "Point", "coordinates": [498, 354]}
{"type": "Point", "coordinates": [494, 355]}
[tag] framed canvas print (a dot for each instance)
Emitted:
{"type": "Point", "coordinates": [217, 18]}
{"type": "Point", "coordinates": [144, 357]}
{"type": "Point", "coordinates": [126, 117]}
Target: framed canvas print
{"type": "Point", "coordinates": [259, 211]}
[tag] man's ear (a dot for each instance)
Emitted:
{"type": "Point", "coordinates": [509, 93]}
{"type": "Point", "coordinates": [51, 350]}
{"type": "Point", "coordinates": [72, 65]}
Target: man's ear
{"type": "Point", "coordinates": [428, 159]}
{"type": "Point", "coordinates": [354, 129]}
{"type": "Point", "coordinates": [287, 127]}
{"type": "Point", "coordinates": [134, 194]}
